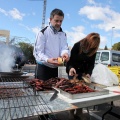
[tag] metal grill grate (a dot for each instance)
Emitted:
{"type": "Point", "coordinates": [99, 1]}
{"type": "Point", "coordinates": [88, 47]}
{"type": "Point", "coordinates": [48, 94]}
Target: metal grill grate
{"type": "Point", "coordinates": [21, 101]}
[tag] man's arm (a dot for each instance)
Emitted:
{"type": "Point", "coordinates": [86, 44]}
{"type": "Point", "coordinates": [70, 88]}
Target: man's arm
{"type": "Point", "coordinates": [39, 48]}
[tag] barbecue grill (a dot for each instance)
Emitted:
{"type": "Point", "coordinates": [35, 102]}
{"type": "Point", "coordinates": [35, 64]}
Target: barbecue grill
{"type": "Point", "coordinates": [18, 100]}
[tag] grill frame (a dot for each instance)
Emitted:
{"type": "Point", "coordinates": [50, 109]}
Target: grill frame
{"type": "Point", "coordinates": [12, 107]}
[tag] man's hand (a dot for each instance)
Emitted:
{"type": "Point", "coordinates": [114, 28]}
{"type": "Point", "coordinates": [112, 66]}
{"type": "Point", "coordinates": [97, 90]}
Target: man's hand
{"type": "Point", "coordinates": [65, 56]}
{"type": "Point", "coordinates": [72, 72]}
{"type": "Point", "coordinates": [52, 60]}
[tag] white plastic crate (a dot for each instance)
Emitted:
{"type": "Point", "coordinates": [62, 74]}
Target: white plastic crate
{"type": "Point", "coordinates": [62, 72]}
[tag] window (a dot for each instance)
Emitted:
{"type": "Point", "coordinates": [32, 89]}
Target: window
{"type": "Point", "coordinates": [116, 57]}
{"type": "Point", "coordinates": [105, 56]}
{"type": "Point", "coordinates": [97, 56]}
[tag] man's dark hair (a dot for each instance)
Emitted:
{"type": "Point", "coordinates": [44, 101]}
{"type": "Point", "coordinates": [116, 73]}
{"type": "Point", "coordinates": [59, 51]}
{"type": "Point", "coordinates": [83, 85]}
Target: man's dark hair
{"type": "Point", "coordinates": [56, 12]}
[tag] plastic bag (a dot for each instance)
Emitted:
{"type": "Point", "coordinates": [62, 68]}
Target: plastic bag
{"type": "Point", "coordinates": [102, 75]}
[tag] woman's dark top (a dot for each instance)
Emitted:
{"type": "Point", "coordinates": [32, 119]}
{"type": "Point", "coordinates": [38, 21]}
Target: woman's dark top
{"type": "Point", "coordinates": [80, 61]}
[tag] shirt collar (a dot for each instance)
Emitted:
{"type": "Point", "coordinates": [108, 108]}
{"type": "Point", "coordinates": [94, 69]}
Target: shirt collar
{"type": "Point", "coordinates": [54, 30]}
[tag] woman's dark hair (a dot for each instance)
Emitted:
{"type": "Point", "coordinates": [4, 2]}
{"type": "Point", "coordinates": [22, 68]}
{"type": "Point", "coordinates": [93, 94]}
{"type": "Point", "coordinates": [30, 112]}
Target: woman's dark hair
{"type": "Point", "coordinates": [90, 43]}
{"type": "Point", "coordinates": [56, 12]}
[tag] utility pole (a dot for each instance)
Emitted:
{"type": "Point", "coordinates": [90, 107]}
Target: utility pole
{"type": "Point", "coordinates": [112, 37]}
{"type": "Point", "coordinates": [44, 13]}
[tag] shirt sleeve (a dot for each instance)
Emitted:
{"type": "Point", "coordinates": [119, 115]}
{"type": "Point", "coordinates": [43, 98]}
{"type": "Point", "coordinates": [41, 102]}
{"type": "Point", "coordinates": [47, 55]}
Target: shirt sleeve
{"type": "Point", "coordinates": [64, 46]}
{"type": "Point", "coordinates": [39, 48]}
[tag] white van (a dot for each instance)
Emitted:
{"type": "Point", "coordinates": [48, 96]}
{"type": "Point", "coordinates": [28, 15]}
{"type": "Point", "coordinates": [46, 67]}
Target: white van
{"type": "Point", "coordinates": [108, 57]}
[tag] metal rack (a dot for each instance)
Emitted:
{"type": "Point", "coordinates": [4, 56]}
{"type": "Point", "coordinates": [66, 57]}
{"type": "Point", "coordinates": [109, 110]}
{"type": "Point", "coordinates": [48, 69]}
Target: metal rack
{"type": "Point", "coordinates": [20, 101]}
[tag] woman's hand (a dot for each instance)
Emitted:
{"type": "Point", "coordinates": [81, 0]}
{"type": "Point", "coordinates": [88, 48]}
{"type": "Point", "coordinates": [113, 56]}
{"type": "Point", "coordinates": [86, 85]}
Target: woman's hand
{"type": "Point", "coordinates": [88, 76]}
{"type": "Point", "coordinates": [72, 72]}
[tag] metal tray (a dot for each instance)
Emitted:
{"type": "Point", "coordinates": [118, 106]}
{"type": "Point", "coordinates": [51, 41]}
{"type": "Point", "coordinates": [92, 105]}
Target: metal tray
{"type": "Point", "coordinates": [99, 91]}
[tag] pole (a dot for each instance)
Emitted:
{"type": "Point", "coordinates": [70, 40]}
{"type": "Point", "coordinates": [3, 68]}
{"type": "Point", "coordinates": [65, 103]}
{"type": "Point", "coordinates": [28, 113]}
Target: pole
{"type": "Point", "coordinates": [44, 13]}
{"type": "Point", "coordinates": [112, 37]}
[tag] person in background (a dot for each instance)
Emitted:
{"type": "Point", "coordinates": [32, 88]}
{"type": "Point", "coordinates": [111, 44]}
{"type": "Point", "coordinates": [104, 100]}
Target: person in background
{"type": "Point", "coordinates": [20, 60]}
{"type": "Point", "coordinates": [82, 60]}
{"type": "Point", "coordinates": [51, 43]}
{"type": "Point", "coordinates": [23, 62]}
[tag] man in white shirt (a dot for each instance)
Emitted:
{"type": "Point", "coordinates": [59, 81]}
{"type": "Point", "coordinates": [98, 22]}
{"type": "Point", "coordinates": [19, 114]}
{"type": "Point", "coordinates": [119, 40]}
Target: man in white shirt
{"type": "Point", "coordinates": [51, 43]}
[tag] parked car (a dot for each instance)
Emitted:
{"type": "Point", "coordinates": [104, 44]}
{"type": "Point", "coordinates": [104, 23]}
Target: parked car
{"type": "Point", "coordinates": [108, 57]}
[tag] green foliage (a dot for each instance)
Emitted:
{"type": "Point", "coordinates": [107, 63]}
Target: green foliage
{"type": "Point", "coordinates": [27, 50]}
{"type": "Point", "coordinates": [116, 46]}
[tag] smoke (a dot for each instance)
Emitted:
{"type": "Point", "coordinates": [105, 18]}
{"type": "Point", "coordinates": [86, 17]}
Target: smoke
{"type": "Point", "coordinates": [7, 60]}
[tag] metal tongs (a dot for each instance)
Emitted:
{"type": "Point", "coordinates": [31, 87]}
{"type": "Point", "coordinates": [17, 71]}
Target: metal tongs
{"type": "Point", "coordinates": [87, 80]}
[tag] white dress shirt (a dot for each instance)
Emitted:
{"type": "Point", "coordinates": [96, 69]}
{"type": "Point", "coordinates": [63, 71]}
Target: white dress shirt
{"type": "Point", "coordinates": [50, 45]}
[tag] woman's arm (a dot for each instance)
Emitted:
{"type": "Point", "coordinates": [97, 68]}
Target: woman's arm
{"type": "Point", "coordinates": [73, 56]}
{"type": "Point", "coordinates": [91, 64]}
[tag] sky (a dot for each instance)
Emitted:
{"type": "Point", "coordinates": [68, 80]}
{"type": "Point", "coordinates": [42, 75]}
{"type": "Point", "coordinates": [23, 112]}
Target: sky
{"type": "Point", "coordinates": [23, 18]}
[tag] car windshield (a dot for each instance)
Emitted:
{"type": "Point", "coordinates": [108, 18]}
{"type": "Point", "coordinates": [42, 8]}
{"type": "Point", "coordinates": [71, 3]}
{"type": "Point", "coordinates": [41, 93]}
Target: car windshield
{"type": "Point", "coordinates": [104, 56]}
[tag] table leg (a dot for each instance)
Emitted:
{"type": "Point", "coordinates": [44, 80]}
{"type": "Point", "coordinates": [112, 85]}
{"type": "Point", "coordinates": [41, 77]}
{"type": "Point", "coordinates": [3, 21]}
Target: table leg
{"type": "Point", "coordinates": [110, 112]}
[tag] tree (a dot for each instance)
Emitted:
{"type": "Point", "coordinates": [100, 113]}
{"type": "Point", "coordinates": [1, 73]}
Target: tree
{"type": "Point", "coordinates": [106, 48]}
{"type": "Point", "coordinates": [116, 46]}
{"type": "Point", "coordinates": [27, 50]}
